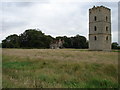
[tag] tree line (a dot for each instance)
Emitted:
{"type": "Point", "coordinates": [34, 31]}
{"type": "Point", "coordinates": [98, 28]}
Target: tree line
{"type": "Point", "coordinates": [34, 38]}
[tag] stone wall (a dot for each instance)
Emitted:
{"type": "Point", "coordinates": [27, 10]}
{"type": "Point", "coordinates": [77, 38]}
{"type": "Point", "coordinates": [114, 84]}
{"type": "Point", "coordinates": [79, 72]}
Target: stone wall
{"type": "Point", "coordinates": [57, 44]}
{"type": "Point", "coordinates": [99, 28]}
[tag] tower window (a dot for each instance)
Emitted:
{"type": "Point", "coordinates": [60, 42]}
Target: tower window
{"type": "Point", "coordinates": [106, 28]}
{"type": "Point", "coordinates": [107, 38]}
{"type": "Point", "coordinates": [95, 18]}
{"type": "Point", "coordinates": [95, 38]}
{"type": "Point", "coordinates": [95, 28]}
{"type": "Point", "coordinates": [106, 18]}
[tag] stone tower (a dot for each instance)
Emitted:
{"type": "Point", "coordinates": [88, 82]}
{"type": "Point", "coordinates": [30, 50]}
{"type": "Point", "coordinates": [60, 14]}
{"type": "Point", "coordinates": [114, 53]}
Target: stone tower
{"type": "Point", "coordinates": [100, 28]}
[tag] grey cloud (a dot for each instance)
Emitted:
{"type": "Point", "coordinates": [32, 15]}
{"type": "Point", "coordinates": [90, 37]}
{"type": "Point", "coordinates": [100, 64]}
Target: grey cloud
{"type": "Point", "coordinates": [54, 19]}
{"type": "Point", "coordinates": [11, 25]}
{"type": "Point", "coordinates": [17, 4]}
{"type": "Point", "coordinates": [119, 22]}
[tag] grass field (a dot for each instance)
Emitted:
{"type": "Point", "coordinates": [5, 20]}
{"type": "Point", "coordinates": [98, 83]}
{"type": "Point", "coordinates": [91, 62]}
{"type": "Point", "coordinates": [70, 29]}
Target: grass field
{"type": "Point", "coordinates": [59, 68]}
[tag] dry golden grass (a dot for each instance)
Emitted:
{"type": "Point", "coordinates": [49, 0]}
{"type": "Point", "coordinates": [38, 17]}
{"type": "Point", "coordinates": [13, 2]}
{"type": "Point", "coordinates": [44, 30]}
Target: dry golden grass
{"type": "Point", "coordinates": [65, 54]}
{"type": "Point", "coordinates": [59, 68]}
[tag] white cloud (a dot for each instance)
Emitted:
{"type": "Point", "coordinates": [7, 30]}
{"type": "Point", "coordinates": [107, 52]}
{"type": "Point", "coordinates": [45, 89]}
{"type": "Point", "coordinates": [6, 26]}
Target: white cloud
{"type": "Point", "coordinates": [59, 1]}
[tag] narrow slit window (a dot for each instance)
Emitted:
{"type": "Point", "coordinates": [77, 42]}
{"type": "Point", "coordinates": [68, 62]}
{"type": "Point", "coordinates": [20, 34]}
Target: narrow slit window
{"type": "Point", "coordinates": [95, 38]}
{"type": "Point", "coordinates": [106, 18]}
{"type": "Point", "coordinates": [106, 28]}
{"type": "Point", "coordinates": [95, 28]}
{"type": "Point", "coordinates": [107, 38]}
{"type": "Point", "coordinates": [95, 18]}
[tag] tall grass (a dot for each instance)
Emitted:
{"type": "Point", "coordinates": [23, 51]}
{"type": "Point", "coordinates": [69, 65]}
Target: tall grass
{"type": "Point", "coordinates": [46, 68]}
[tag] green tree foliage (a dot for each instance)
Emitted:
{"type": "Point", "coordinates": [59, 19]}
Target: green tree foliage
{"type": "Point", "coordinates": [79, 41]}
{"type": "Point", "coordinates": [74, 42]}
{"type": "Point", "coordinates": [33, 38]}
{"type": "Point", "coordinates": [115, 45]}
{"type": "Point", "coordinates": [11, 41]}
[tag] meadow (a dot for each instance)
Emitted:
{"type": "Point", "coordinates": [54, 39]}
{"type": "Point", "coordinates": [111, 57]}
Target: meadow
{"type": "Point", "coordinates": [59, 68]}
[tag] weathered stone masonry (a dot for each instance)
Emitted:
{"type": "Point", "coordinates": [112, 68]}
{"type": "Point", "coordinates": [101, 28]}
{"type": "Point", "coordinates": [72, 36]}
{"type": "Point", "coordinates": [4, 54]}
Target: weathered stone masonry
{"type": "Point", "coordinates": [100, 28]}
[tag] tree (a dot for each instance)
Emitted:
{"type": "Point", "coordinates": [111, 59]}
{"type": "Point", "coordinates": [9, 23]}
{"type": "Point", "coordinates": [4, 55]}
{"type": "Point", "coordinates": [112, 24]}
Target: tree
{"type": "Point", "coordinates": [67, 42]}
{"type": "Point", "coordinates": [74, 42]}
{"type": "Point", "coordinates": [115, 45]}
{"type": "Point", "coordinates": [11, 41]}
{"type": "Point", "coordinates": [48, 41]}
{"type": "Point", "coordinates": [33, 38]}
{"type": "Point", "coordinates": [79, 42]}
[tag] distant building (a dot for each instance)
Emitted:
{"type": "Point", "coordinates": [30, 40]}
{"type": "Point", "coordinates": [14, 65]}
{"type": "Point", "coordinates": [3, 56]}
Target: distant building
{"type": "Point", "coordinates": [57, 44]}
{"type": "Point", "coordinates": [99, 28]}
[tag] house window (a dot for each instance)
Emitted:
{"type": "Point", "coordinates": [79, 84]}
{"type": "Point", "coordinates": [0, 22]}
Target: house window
{"type": "Point", "coordinates": [107, 38]}
{"type": "Point", "coordinates": [95, 28]}
{"type": "Point", "coordinates": [106, 28]}
{"type": "Point", "coordinates": [95, 38]}
{"type": "Point", "coordinates": [95, 18]}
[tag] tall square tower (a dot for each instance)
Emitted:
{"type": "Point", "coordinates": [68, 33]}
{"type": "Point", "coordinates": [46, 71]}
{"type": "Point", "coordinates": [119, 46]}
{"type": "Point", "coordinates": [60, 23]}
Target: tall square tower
{"type": "Point", "coordinates": [100, 28]}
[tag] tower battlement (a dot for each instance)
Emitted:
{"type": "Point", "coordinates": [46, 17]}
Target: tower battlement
{"type": "Point", "coordinates": [99, 7]}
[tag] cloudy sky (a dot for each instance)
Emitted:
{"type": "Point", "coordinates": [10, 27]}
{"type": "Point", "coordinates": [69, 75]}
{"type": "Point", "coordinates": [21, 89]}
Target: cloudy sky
{"type": "Point", "coordinates": [53, 18]}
